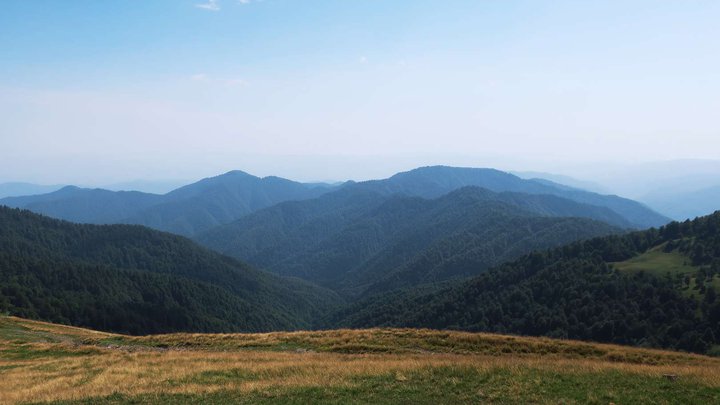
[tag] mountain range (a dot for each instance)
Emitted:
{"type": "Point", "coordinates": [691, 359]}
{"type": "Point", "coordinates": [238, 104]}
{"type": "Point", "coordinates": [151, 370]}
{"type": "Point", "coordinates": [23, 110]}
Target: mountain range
{"type": "Point", "coordinates": [435, 247]}
{"type": "Point", "coordinates": [184, 211]}
{"type": "Point", "coordinates": [356, 241]}
{"type": "Point", "coordinates": [215, 201]}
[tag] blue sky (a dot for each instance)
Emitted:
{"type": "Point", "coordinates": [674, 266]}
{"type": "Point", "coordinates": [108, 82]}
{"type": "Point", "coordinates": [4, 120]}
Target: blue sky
{"type": "Point", "coordinates": [103, 91]}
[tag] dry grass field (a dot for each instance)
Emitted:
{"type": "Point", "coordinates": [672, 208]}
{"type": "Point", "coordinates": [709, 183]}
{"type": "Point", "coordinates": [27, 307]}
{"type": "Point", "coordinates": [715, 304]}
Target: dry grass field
{"type": "Point", "coordinates": [41, 362]}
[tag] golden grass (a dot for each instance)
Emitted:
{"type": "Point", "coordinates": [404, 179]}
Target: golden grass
{"type": "Point", "coordinates": [78, 364]}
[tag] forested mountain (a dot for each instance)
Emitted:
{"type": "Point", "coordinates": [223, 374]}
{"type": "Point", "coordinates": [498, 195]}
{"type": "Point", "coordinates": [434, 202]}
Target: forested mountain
{"type": "Point", "coordinates": [129, 278]}
{"type": "Point", "coordinates": [652, 288]}
{"type": "Point", "coordinates": [434, 181]}
{"type": "Point", "coordinates": [185, 211]}
{"type": "Point", "coordinates": [92, 206]}
{"type": "Point", "coordinates": [220, 200]}
{"type": "Point", "coordinates": [358, 241]}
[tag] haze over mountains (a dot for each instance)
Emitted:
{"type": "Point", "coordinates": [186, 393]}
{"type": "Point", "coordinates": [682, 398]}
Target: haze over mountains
{"type": "Point", "coordinates": [467, 247]}
{"type": "Point", "coordinates": [185, 211]}
{"type": "Point", "coordinates": [219, 200]}
{"type": "Point", "coordinates": [16, 189]}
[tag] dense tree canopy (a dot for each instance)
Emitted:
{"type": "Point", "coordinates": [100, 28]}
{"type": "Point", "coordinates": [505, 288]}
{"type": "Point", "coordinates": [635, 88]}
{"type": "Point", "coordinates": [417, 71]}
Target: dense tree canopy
{"type": "Point", "coordinates": [132, 279]}
{"type": "Point", "coordinates": [358, 241]}
{"type": "Point", "coordinates": [575, 292]}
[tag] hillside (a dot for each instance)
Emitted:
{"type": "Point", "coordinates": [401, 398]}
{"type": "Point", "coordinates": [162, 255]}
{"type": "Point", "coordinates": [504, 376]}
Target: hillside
{"type": "Point", "coordinates": [133, 279]}
{"type": "Point", "coordinates": [190, 209]}
{"type": "Point", "coordinates": [354, 240]}
{"type": "Point", "coordinates": [45, 362]}
{"type": "Point", "coordinates": [653, 288]}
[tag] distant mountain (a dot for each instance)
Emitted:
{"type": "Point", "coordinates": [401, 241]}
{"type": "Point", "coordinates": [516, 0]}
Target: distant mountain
{"type": "Point", "coordinates": [636, 180]}
{"type": "Point", "coordinates": [359, 241]}
{"type": "Point", "coordinates": [434, 181]}
{"type": "Point", "coordinates": [654, 288]}
{"type": "Point", "coordinates": [132, 279]}
{"type": "Point", "coordinates": [146, 186]}
{"type": "Point", "coordinates": [196, 207]}
{"type": "Point", "coordinates": [93, 206]}
{"type": "Point", "coordinates": [563, 180]}
{"type": "Point", "coordinates": [219, 200]}
{"type": "Point", "coordinates": [685, 205]}
{"type": "Point", "coordinates": [16, 189]}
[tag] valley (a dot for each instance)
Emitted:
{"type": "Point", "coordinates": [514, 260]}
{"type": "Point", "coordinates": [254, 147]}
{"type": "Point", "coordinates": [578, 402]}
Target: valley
{"type": "Point", "coordinates": [359, 202]}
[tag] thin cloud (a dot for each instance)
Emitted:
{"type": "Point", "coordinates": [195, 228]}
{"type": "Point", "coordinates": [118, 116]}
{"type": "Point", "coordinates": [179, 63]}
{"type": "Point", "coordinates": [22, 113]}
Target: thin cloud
{"type": "Point", "coordinates": [230, 82]}
{"type": "Point", "coordinates": [211, 5]}
{"type": "Point", "coordinates": [236, 82]}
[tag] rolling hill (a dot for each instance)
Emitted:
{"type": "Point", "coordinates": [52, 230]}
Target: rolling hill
{"type": "Point", "coordinates": [185, 211]}
{"type": "Point", "coordinates": [137, 280]}
{"type": "Point", "coordinates": [355, 240]}
{"type": "Point", "coordinates": [42, 362]}
{"type": "Point", "coordinates": [652, 288]}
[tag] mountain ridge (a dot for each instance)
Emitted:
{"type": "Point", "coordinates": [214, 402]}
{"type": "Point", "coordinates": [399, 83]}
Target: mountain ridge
{"type": "Point", "coordinates": [334, 238]}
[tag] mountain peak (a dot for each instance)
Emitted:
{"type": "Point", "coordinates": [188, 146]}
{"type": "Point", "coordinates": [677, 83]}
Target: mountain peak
{"type": "Point", "coordinates": [236, 173]}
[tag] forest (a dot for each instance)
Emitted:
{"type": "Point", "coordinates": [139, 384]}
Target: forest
{"type": "Point", "coordinates": [576, 292]}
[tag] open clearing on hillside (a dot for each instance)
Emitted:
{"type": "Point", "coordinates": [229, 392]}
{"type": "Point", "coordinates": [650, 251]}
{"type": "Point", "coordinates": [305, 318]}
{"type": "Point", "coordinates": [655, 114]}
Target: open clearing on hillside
{"type": "Point", "coordinates": [656, 261]}
{"type": "Point", "coordinates": [42, 362]}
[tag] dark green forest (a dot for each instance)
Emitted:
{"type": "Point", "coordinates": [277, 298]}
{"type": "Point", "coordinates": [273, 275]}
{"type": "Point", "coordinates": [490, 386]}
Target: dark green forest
{"type": "Point", "coordinates": [358, 242]}
{"type": "Point", "coordinates": [132, 279]}
{"type": "Point", "coordinates": [576, 292]}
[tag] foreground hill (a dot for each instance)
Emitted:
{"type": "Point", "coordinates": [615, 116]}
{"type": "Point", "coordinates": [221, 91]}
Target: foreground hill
{"type": "Point", "coordinates": [137, 280]}
{"type": "Point", "coordinates": [359, 241]}
{"type": "Point", "coordinates": [45, 362]}
{"type": "Point", "coordinates": [652, 288]}
{"type": "Point", "coordinates": [190, 209]}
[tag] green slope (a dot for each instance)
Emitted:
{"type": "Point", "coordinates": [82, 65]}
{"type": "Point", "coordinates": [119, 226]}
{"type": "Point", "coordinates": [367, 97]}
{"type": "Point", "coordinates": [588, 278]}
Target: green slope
{"type": "Point", "coordinates": [136, 280]}
{"type": "Point", "coordinates": [358, 241]}
{"type": "Point", "coordinates": [630, 289]}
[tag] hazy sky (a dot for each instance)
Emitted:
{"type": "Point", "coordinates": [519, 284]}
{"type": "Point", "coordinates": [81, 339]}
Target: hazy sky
{"type": "Point", "coordinates": [105, 91]}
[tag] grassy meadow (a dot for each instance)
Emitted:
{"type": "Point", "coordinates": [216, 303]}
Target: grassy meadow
{"type": "Point", "coordinates": [657, 261]}
{"type": "Point", "coordinates": [41, 363]}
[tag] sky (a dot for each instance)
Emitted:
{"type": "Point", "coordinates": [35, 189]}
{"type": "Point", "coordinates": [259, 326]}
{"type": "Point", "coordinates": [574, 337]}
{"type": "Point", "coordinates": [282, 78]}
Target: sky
{"type": "Point", "coordinates": [97, 92]}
